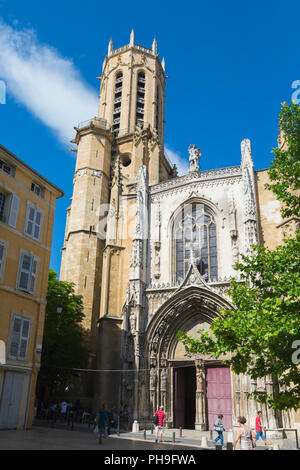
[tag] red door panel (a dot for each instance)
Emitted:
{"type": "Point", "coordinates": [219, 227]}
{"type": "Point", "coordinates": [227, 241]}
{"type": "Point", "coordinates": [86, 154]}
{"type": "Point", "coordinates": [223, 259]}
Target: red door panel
{"type": "Point", "coordinates": [218, 395]}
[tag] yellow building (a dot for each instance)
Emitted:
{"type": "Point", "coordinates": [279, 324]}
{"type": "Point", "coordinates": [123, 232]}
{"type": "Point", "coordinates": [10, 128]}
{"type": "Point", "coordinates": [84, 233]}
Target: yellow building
{"type": "Point", "coordinates": [27, 207]}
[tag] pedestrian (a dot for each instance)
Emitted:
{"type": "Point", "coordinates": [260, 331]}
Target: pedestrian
{"type": "Point", "coordinates": [260, 430]}
{"type": "Point", "coordinates": [160, 418]}
{"type": "Point", "coordinates": [63, 410]}
{"type": "Point", "coordinates": [102, 422]}
{"type": "Point", "coordinates": [245, 436]}
{"type": "Point", "coordinates": [219, 427]}
{"type": "Point", "coordinates": [129, 421]}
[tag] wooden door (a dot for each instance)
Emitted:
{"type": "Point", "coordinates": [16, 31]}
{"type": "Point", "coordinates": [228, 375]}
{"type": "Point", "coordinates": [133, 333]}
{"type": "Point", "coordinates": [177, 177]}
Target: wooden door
{"type": "Point", "coordinates": [218, 395]}
{"type": "Point", "coordinates": [11, 400]}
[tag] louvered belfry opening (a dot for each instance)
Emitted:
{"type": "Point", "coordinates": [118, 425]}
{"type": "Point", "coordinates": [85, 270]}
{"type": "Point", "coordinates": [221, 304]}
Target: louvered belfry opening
{"type": "Point", "coordinates": [140, 101]}
{"type": "Point", "coordinates": [117, 104]}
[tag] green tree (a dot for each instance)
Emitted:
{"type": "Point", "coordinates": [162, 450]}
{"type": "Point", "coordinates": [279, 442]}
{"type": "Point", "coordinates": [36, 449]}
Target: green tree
{"type": "Point", "coordinates": [258, 334]}
{"type": "Point", "coordinates": [64, 340]}
{"type": "Point", "coordinates": [284, 171]}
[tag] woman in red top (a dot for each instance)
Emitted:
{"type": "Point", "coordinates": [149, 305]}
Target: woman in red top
{"type": "Point", "coordinates": [160, 426]}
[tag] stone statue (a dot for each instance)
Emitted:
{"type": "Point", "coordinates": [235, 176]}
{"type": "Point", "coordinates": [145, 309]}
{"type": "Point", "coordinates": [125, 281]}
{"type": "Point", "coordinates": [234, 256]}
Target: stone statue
{"type": "Point", "coordinates": [163, 385]}
{"type": "Point", "coordinates": [194, 158]}
{"type": "Point", "coordinates": [132, 321]}
{"type": "Point", "coordinates": [152, 379]}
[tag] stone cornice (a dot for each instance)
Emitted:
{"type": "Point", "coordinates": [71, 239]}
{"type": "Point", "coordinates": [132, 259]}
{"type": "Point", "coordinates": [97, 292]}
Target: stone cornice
{"type": "Point", "coordinates": [200, 178]}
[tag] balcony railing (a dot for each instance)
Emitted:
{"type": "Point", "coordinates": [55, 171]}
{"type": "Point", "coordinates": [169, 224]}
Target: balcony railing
{"type": "Point", "coordinates": [99, 122]}
{"type": "Point", "coordinates": [127, 46]}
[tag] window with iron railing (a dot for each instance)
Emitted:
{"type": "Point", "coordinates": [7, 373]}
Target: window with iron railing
{"type": "Point", "coordinates": [5, 167]}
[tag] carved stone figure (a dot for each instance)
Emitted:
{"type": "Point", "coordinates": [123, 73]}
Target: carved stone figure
{"type": "Point", "coordinates": [194, 158]}
{"type": "Point", "coordinates": [132, 321]}
{"type": "Point", "coordinates": [153, 379]}
{"type": "Point", "coordinates": [163, 380]}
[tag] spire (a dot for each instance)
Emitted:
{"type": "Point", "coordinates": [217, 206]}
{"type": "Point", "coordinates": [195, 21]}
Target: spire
{"type": "Point", "coordinates": [132, 37]}
{"type": "Point", "coordinates": [246, 153]}
{"type": "Point", "coordinates": [163, 64]}
{"type": "Point", "coordinates": [110, 47]}
{"type": "Point", "coordinates": [154, 46]}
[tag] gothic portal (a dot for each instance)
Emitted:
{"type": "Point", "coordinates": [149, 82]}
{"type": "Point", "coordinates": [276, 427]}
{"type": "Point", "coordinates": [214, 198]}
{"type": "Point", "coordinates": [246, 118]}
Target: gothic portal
{"type": "Point", "coordinates": [152, 252]}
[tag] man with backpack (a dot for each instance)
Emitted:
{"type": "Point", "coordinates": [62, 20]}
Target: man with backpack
{"type": "Point", "coordinates": [158, 420]}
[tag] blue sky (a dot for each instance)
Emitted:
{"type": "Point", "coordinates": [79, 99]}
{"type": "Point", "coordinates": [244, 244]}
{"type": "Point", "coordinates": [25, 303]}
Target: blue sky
{"type": "Point", "coordinates": [230, 65]}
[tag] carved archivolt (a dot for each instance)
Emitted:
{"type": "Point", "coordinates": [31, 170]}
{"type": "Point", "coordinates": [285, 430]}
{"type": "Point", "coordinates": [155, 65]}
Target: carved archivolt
{"type": "Point", "coordinates": [190, 302]}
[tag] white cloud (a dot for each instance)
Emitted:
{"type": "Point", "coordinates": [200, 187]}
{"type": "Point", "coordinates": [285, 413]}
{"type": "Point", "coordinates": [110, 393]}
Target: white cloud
{"type": "Point", "coordinates": [47, 84]}
{"type": "Point", "coordinates": [175, 158]}
{"type": "Point", "coordinates": [50, 86]}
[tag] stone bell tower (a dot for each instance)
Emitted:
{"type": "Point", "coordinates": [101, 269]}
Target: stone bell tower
{"type": "Point", "coordinates": [127, 134]}
{"type": "Point", "coordinates": [132, 101]}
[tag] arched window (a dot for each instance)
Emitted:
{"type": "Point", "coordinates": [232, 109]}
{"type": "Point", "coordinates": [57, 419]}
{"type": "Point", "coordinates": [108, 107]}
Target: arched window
{"type": "Point", "coordinates": [140, 100]}
{"type": "Point", "coordinates": [117, 103]}
{"type": "Point", "coordinates": [195, 231]}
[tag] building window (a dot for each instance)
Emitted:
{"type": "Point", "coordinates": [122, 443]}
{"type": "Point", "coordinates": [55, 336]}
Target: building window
{"type": "Point", "coordinates": [2, 205]}
{"type": "Point", "coordinates": [9, 206]}
{"type": "Point", "coordinates": [19, 338]}
{"type": "Point", "coordinates": [140, 100]}
{"type": "Point", "coordinates": [117, 104]}
{"type": "Point", "coordinates": [27, 272]}
{"type": "Point", "coordinates": [37, 189]}
{"type": "Point", "coordinates": [2, 257]}
{"type": "Point", "coordinates": [5, 167]}
{"type": "Point", "coordinates": [33, 225]}
{"type": "Point", "coordinates": [195, 233]}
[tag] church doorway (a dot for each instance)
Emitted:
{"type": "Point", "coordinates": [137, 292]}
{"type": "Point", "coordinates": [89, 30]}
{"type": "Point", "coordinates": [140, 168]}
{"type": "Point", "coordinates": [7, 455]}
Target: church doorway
{"type": "Point", "coordinates": [185, 396]}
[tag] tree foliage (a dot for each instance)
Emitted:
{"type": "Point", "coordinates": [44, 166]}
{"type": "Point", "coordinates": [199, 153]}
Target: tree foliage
{"type": "Point", "coordinates": [63, 343]}
{"type": "Point", "coordinates": [284, 171]}
{"type": "Point", "coordinates": [258, 334]}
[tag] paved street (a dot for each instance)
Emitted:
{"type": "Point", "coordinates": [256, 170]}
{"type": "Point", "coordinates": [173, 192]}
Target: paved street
{"type": "Point", "coordinates": [61, 437]}
{"type": "Point", "coordinates": [47, 438]}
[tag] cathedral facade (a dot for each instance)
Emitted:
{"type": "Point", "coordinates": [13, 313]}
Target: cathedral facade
{"type": "Point", "coordinates": [153, 253]}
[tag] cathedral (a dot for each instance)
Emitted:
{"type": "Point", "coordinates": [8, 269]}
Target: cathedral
{"type": "Point", "coordinates": [152, 253]}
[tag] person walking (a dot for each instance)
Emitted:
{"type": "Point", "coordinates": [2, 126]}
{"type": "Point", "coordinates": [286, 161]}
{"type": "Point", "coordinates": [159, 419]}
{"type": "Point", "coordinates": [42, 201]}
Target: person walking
{"type": "Point", "coordinates": [102, 421]}
{"type": "Point", "coordinates": [63, 410]}
{"type": "Point", "coordinates": [219, 427]}
{"type": "Point", "coordinates": [160, 416]}
{"type": "Point", "coordinates": [261, 430]}
{"type": "Point", "coordinates": [245, 436]}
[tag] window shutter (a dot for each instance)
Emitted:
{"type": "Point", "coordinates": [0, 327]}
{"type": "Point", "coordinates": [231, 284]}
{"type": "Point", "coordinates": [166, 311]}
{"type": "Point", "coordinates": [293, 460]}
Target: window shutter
{"type": "Point", "coordinates": [13, 213]}
{"type": "Point", "coordinates": [24, 338]}
{"type": "Point", "coordinates": [30, 220]}
{"type": "Point", "coordinates": [25, 271]}
{"type": "Point", "coordinates": [33, 275]}
{"type": "Point", "coordinates": [19, 339]}
{"type": "Point", "coordinates": [33, 222]}
{"type": "Point", "coordinates": [2, 254]}
{"type": "Point", "coordinates": [15, 337]}
{"type": "Point", "coordinates": [38, 224]}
